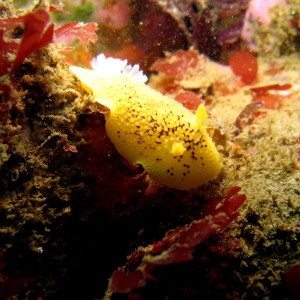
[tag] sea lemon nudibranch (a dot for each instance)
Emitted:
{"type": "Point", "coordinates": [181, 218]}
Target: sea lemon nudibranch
{"type": "Point", "coordinates": [148, 128]}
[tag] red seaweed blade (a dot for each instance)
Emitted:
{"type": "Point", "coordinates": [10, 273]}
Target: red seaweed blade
{"type": "Point", "coordinates": [178, 245]}
{"type": "Point", "coordinates": [37, 33]}
{"type": "Point", "coordinates": [84, 32]}
{"type": "Point", "coordinates": [20, 37]}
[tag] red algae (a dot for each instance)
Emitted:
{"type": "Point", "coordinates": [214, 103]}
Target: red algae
{"type": "Point", "coordinates": [273, 96]}
{"type": "Point", "coordinates": [19, 37]}
{"type": "Point", "coordinates": [292, 276]}
{"type": "Point", "coordinates": [37, 32]}
{"type": "Point", "coordinates": [178, 245]}
{"type": "Point", "coordinates": [244, 64]}
{"type": "Point", "coordinates": [10, 287]}
{"type": "Point", "coordinates": [122, 282]}
{"type": "Point", "coordinates": [176, 64]}
{"type": "Point", "coordinates": [263, 90]}
{"type": "Point", "coordinates": [189, 100]}
{"type": "Point", "coordinates": [247, 115]}
{"type": "Point", "coordinates": [113, 184]}
{"type": "Point", "coordinates": [76, 30]}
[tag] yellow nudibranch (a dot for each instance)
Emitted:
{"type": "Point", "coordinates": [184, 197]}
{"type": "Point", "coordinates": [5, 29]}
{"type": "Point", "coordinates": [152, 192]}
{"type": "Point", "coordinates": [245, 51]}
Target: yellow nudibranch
{"type": "Point", "coordinates": [148, 128]}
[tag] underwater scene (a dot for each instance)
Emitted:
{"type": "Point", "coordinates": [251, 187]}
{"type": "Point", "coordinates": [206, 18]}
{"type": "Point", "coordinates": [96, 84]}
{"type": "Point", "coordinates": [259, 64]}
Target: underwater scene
{"type": "Point", "coordinates": [149, 149]}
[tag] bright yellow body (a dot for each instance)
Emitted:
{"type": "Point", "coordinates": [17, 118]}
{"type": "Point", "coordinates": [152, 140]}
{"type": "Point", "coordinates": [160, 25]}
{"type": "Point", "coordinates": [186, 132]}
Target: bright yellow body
{"type": "Point", "coordinates": [153, 130]}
